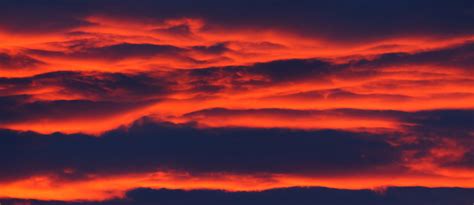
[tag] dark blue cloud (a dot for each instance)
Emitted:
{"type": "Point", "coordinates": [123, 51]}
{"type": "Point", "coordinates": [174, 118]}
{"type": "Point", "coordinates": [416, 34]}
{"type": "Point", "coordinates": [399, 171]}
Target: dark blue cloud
{"type": "Point", "coordinates": [149, 146]}
{"type": "Point", "coordinates": [342, 20]}
{"type": "Point", "coordinates": [454, 123]}
{"type": "Point", "coordinates": [288, 196]}
{"type": "Point", "coordinates": [26, 16]}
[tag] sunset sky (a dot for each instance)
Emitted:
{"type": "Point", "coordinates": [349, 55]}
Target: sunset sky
{"type": "Point", "coordinates": [240, 102]}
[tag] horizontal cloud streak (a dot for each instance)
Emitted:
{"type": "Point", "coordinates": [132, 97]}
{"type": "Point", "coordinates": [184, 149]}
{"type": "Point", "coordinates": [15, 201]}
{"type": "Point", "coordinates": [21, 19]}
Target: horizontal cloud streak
{"type": "Point", "coordinates": [355, 21]}
{"type": "Point", "coordinates": [148, 146]}
{"type": "Point", "coordinates": [391, 195]}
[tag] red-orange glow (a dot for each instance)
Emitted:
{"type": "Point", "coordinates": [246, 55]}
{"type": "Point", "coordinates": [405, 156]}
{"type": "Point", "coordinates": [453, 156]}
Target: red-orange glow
{"type": "Point", "coordinates": [246, 47]}
{"type": "Point", "coordinates": [188, 71]}
{"type": "Point", "coordinates": [46, 188]}
{"type": "Point", "coordinates": [91, 125]}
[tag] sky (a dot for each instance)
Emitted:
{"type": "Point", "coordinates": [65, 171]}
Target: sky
{"type": "Point", "coordinates": [140, 102]}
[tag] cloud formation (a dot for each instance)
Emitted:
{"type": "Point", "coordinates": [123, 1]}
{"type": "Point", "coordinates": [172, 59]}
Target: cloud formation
{"type": "Point", "coordinates": [148, 146]}
{"type": "Point", "coordinates": [101, 97]}
{"type": "Point", "coordinates": [391, 195]}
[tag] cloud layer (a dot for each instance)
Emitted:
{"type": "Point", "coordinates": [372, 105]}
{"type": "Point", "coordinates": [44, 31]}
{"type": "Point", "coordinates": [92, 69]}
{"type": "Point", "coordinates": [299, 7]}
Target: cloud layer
{"type": "Point", "coordinates": [392, 195]}
{"type": "Point", "coordinates": [101, 97]}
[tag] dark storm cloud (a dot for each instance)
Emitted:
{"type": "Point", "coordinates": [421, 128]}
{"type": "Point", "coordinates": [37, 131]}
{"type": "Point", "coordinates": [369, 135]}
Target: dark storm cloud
{"type": "Point", "coordinates": [287, 196]}
{"type": "Point", "coordinates": [340, 20]}
{"type": "Point", "coordinates": [150, 146]}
